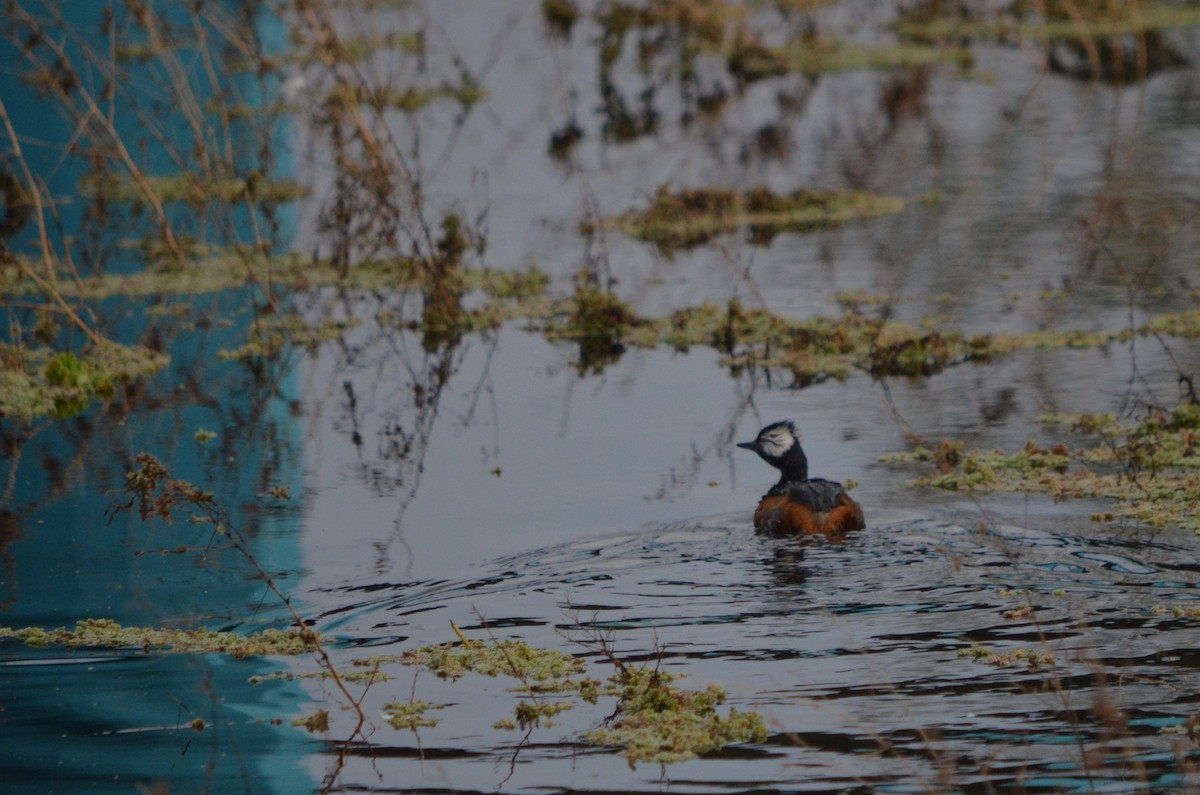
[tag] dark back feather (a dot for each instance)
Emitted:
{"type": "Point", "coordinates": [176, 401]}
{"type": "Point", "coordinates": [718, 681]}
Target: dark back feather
{"type": "Point", "coordinates": [822, 495]}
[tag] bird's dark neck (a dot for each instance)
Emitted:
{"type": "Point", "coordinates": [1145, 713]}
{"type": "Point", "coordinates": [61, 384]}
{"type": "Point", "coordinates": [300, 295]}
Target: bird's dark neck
{"type": "Point", "coordinates": [793, 467]}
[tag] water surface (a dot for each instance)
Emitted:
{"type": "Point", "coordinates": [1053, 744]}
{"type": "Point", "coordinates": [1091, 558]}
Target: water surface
{"type": "Point", "coordinates": [498, 482]}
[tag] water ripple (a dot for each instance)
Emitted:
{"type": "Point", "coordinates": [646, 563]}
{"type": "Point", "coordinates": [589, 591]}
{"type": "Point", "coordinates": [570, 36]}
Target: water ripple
{"type": "Point", "coordinates": [854, 647]}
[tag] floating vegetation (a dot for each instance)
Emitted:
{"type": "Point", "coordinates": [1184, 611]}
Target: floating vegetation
{"type": "Point", "coordinates": [819, 348]}
{"type": "Point", "coordinates": [467, 93]}
{"type": "Point", "coordinates": [37, 382]}
{"type": "Point", "coordinates": [1033, 659]}
{"type": "Point", "coordinates": [725, 28]}
{"type": "Point", "coordinates": [193, 188]}
{"type": "Point", "coordinates": [316, 723]}
{"type": "Point", "coordinates": [1148, 471]}
{"type": "Point", "coordinates": [354, 49]}
{"type": "Point", "coordinates": [560, 15]}
{"type": "Point", "coordinates": [209, 271]}
{"type": "Point", "coordinates": [510, 657]}
{"type": "Point", "coordinates": [1022, 612]}
{"type": "Point", "coordinates": [410, 714]}
{"type": "Point", "coordinates": [104, 633]}
{"type": "Point", "coordinates": [268, 338]}
{"type": "Point", "coordinates": [540, 671]}
{"type": "Point", "coordinates": [706, 21]}
{"type": "Point", "coordinates": [531, 714]}
{"type": "Point", "coordinates": [1184, 324]}
{"type": "Point", "coordinates": [655, 721]}
{"type": "Point", "coordinates": [460, 300]}
{"type": "Point", "coordinates": [817, 57]}
{"type": "Point", "coordinates": [442, 285]}
{"type": "Point", "coordinates": [659, 722]}
{"type": "Point", "coordinates": [1093, 20]}
{"type": "Point", "coordinates": [812, 349]}
{"type": "Point", "coordinates": [600, 322]}
{"type": "Point", "coordinates": [670, 37]}
{"type": "Point", "coordinates": [564, 139]}
{"type": "Point", "coordinates": [694, 216]}
{"type": "Point", "coordinates": [1090, 39]}
{"type": "Point", "coordinates": [1189, 728]}
{"type": "Point", "coordinates": [360, 677]}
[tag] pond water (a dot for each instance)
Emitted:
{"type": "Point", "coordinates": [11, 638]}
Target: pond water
{"type": "Point", "coordinates": [499, 484]}
{"type": "Point", "coordinates": [856, 672]}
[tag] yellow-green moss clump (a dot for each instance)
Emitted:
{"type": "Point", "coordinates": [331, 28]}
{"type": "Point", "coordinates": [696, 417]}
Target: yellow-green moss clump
{"type": "Point", "coordinates": [600, 322]}
{"type": "Point", "coordinates": [37, 382]}
{"type": "Point", "coordinates": [194, 189]}
{"type": "Point", "coordinates": [459, 300]}
{"type": "Point", "coordinates": [817, 348]}
{"type": "Point", "coordinates": [204, 270]}
{"type": "Point", "coordinates": [541, 672]}
{"type": "Point", "coordinates": [726, 30]}
{"type": "Point", "coordinates": [691, 217]}
{"type": "Point", "coordinates": [107, 634]}
{"type": "Point", "coordinates": [268, 338]}
{"type": "Point", "coordinates": [541, 668]}
{"type": "Point", "coordinates": [316, 723]}
{"type": "Point", "coordinates": [207, 270]}
{"type": "Point", "coordinates": [1091, 20]}
{"type": "Point", "coordinates": [410, 714]}
{"type": "Point", "coordinates": [655, 721]}
{"type": "Point", "coordinates": [1087, 39]}
{"type": "Point", "coordinates": [1148, 471]}
{"type": "Point", "coordinates": [659, 722]}
{"type": "Point", "coordinates": [1033, 659]}
{"type": "Point", "coordinates": [830, 55]}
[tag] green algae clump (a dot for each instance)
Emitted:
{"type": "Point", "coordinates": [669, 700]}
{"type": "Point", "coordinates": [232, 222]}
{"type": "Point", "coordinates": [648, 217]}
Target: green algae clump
{"type": "Point", "coordinates": [195, 190]}
{"type": "Point", "coordinates": [654, 721]}
{"type": "Point", "coordinates": [316, 723]}
{"type": "Point", "coordinates": [36, 382]}
{"type": "Point", "coordinates": [1110, 19]}
{"type": "Point", "coordinates": [540, 672]}
{"type": "Point", "coordinates": [1087, 39]}
{"type": "Point", "coordinates": [659, 722]}
{"type": "Point", "coordinates": [107, 634]}
{"type": "Point", "coordinates": [600, 322]}
{"type": "Point", "coordinates": [410, 714]}
{"type": "Point", "coordinates": [694, 216]}
{"type": "Point", "coordinates": [1032, 659]}
{"type": "Point", "coordinates": [1147, 471]}
{"type": "Point", "coordinates": [510, 657]}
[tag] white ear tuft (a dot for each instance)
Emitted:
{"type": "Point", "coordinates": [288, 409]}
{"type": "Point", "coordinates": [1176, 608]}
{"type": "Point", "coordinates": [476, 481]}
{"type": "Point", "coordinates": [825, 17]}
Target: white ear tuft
{"type": "Point", "coordinates": [777, 439]}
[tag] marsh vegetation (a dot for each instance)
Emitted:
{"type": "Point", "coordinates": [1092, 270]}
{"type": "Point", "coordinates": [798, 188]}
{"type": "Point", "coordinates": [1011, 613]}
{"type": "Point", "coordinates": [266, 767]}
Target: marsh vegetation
{"type": "Point", "coordinates": [371, 370]}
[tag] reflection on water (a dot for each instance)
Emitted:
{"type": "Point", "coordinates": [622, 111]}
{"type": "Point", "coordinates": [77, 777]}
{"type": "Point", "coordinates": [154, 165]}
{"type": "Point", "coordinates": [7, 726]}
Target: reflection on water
{"type": "Point", "coordinates": [493, 478]}
{"type": "Point", "coordinates": [84, 722]}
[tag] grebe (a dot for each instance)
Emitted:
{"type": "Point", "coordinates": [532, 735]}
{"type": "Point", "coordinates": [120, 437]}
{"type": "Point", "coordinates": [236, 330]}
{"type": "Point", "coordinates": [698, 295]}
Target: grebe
{"type": "Point", "coordinates": [799, 504]}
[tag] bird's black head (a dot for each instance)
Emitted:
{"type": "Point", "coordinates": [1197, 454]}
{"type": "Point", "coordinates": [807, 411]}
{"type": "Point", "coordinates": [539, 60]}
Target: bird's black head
{"type": "Point", "coordinates": [779, 445]}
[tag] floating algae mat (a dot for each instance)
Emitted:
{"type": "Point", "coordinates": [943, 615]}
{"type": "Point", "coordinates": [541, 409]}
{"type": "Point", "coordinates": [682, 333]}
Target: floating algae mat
{"type": "Point", "coordinates": [1147, 471]}
{"type": "Point", "coordinates": [655, 720]}
{"type": "Point", "coordinates": [107, 634]}
{"type": "Point", "coordinates": [694, 216]}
